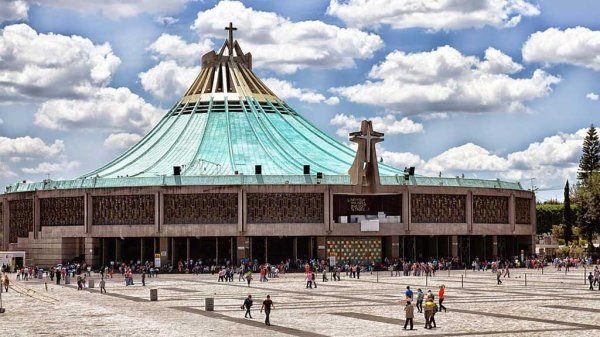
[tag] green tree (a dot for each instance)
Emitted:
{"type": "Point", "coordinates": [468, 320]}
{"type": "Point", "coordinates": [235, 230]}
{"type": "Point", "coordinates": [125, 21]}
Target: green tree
{"type": "Point", "coordinates": [590, 159]}
{"type": "Point", "coordinates": [568, 215]}
{"type": "Point", "coordinates": [588, 197]}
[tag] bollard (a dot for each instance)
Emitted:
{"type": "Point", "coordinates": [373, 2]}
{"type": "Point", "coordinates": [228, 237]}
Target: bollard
{"type": "Point", "coordinates": [209, 304]}
{"type": "Point", "coordinates": [448, 272]}
{"type": "Point", "coordinates": [91, 283]}
{"type": "Point", "coordinates": [377, 272]}
{"type": "Point", "coordinates": [426, 279]}
{"type": "Point", "coordinates": [153, 295]}
{"type": "Point", "coordinates": [526, 279]}
{"type": "Point", "coordinates": [465, 271]}
{"type": "Point", "coordinates": [462, 281]}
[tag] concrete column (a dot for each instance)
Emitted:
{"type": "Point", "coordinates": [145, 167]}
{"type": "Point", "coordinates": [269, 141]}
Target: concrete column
{"type": "Point", "coordinates": [494, 245]}
{"type": "Point", "coordinates": [244, 211]}
{"type": "Point", "coordinates": [406, 210]}
{"type": "Point", "coordinates": [36, 217]}
{"type": "Point", "coordinates": [512, 219]}
{"type": "Point", "coordinates": [328, 206]}
{"type": "Point", "coordinates": [533, 218]}
{"type": "Point", "coordinates": [163, 249]}
{"type": "Point", "coordinates": [187, 248]}
{"type": "Point", "coordinates": [469, 211]}
{"type": "Point", "coordinates": [159, 217]}
{"type": "Point", "coordinates": [103, 244]}
{"type": "Point", "coordinates": [89, 213]}
{"type": "Point", "coordinates": [295, 247]}
{"type": "Point", "coordinates": [172, 252]}
{"type": "Point", "coordinates": [266, 249]}
{"type": "Point", "coordinates": [395, 243]}
{"type": "Point", "coordinates": [92, 251]}
{"type": "Point", "coordinates": [5, 227]}
{"type": "Point", "coordinates": [454, 245]}
{"type": "Point", "coordinates": [118, 244]}
{"type": "Point", "coordinates": [242, 247]}
{"type": "Point", "coordinates": [217, 250]}
{"type": "Point", "coordinates": [142, 250]}
{"type": "Point", "coordinates": [240, 211]}
{"type": "Point", "coordinates": [311, 245]}
{"type": "Point", "coordinates": [321, 248]}
{"type": "Point", "coordinates": [232, 250]}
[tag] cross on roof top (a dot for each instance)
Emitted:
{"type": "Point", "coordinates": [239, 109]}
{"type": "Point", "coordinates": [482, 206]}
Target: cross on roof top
{"type": "Point", "coordinates": [230, 28]}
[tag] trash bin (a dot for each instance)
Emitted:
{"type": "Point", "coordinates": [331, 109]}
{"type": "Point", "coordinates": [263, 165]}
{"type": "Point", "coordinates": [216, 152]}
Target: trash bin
{"type": "Point", "coordinates": [153, 294]}
{"type": "Point", "coordinates": [67, 279]}
{"type": "Point", "coordinates": [209, 304]}
{"type": "Point", "coordinates": [40, 274]}
{"type": "Point", "coordinates": [91, 283]}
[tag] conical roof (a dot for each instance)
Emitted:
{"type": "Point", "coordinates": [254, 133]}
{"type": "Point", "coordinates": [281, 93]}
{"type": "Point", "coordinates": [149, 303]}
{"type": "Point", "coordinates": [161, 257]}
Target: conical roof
{"type": "Point", "coordinates": [228, 122]}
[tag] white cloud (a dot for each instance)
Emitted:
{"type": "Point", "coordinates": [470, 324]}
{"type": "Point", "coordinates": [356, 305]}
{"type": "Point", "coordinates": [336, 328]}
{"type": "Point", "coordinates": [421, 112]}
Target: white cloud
{"type": "Point", "coordinates": [560, 150]}
{"type": "Point", "coordinates": [1, 121]}
{"type": "Point", "coordinates": [12, 10]}
{"type": "Point", "coordinates": [402, 159]}
{"type": "Point", "coordinates": [591, 96]}
{"type": "Point", "coordinates": [167, 79]}
{"type": "Point", "coordinates": [5, 171]}
{"type": "Point", "coordinates": [121, 140]}
{"type": "Point", "coordinates": [166, 20]}
{"type": "Point", "coordinates": [114, 109]}
{"type": "Point", "coordinates": [172, 47]}
{"type": "Point", "coordinates": [432, 14]}
{"type": "Point", "coordinates": [285, 90]}
{"type": "Point", "coordinates": [50, 65]}
{"type": "Point", "coordinates": [388, 124]}
{"type": "Point", "coordinates": [28, 147]}
{"type": "Point", "coordinates": [579, 46]}
{"type": "Point", "coordinates": [468, 157]}
{"type": "Point", "coordinates": [285, 46]}
{"type": "Point", "coordinates": [47, 167]}
{"type": "Point", "coordinates": [117, 9]}
{"type": "Point", "coordinates": [444, 81]}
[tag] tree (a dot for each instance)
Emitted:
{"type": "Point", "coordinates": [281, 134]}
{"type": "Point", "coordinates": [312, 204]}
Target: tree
{"type": "Point", "coordinates": [568, 215]}
{"type": "Point", "coordinates": [590, 159]}
{"type": "Point", "coordinates": [588, 197]}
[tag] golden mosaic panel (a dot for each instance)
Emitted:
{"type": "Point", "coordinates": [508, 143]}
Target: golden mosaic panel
{"type": "Point", "coordinates": [523, 210]}
{"type": "Point", "coordinates": [438, 208]}
{"type": "Point", "coordinates": [207, 208]}
{"type": "Point", "coordinates": [355, 249]}
{"type": "Point", "coordinates": [123, 210]}
{"type": "Point", "coordinates": [489, 209]}
{"type": "Point", "coordinates": [67, 211]}
{"type": "Point", "coordinates": [20, 221]}
{"type": "Point", "coordinates": [285, 207]}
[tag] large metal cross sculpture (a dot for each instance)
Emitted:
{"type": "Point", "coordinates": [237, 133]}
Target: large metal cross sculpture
{"type": "Point", "coordinates": [364, 170]}
{"type": "Point", "coordinates": [230, 28]}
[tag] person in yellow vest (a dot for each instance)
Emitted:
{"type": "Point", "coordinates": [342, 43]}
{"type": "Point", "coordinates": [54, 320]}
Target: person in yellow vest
{"type": "Point", "coordinates": [428, 310]}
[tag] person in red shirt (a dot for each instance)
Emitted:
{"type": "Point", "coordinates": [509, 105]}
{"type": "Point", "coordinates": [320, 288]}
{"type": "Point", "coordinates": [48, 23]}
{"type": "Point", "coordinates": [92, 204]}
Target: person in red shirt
{"type": "Point", "coordinates": [441, 297]}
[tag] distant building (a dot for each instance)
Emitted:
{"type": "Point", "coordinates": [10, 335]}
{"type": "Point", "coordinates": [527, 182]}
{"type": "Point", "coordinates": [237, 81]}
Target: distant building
{"type": "Point", "coordinates": [231, 171]}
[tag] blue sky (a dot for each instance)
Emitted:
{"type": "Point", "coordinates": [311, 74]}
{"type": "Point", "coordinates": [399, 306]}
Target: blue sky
{"type": "Point", "coordinates": [491, 89]}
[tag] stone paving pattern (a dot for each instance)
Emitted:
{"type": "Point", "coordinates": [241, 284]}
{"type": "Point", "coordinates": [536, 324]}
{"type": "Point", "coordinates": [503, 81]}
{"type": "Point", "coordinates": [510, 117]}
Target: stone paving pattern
{"type": "Point", "coordinates": [553, 304]}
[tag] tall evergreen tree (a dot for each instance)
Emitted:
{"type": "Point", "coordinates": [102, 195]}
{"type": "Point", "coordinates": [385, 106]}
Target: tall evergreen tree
{"type": "Point", "coordinates": [568, 215]}
{"type": "Point", "coordinates": [590, 159]}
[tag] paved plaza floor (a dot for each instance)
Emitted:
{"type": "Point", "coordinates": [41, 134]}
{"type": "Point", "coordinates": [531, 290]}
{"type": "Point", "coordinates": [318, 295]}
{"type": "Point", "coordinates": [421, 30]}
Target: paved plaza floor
{"type": "Point", "coordinates": [552, 304]}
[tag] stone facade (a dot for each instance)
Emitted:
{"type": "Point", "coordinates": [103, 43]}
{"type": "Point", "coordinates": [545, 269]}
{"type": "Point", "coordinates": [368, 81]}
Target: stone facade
{"type": "Point", "coordinates": [285, 208]}
{"type": "Point", "coordinates": [523, 210]}
{"type": "Point", "coordinates": [20, 219]}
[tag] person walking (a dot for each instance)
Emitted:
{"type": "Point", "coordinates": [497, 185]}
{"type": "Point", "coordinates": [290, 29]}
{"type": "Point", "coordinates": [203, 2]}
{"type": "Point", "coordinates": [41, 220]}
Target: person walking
{"type": "Point", "coordinates": [249, 277]}
{"type": "Point", "coordinates": [247, 305]}
{"type": "Point", "coordinates": [102, 286]}
{"type": "Point", "coordinates": [314, 279]}
{"type": "Point", "coordinates": [591, 281]}
{"type": "Point", "coordinates": [408, 293]}
{"type": "Point", "coordinates": [144, 278]}
{"type": "Point", "coordinates": [267, 305]}
{"type": "Point", "coordinates": [498, 274]}
{"type": "Point", "coordinates": [309, 280]}
{"type": "Point", "coordinates": [420, 296]}
{"type": "Point", "coordinates": [441, 297]}
{"type": "Point", "coordinates": [428, 311]}
{"type": "Point", "coordinates": [6, 283]}
{"type": "Point", "coordinates": [409, 311]}
{"type": "Point", "coordinates": [325, 275]}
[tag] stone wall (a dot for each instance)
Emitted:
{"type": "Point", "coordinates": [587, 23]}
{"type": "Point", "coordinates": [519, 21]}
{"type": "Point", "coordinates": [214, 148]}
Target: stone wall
{"type": "Point", "coordinates": [523, 210]}
{"type": "Point", "coordinates": [490, 209]}
{"type": "Point", "coordinates": [20, 219]}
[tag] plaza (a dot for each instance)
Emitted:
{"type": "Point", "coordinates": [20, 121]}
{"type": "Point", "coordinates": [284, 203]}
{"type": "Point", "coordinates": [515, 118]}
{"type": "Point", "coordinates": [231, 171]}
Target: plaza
{"type": "Point", "coordinates": [552, 304]}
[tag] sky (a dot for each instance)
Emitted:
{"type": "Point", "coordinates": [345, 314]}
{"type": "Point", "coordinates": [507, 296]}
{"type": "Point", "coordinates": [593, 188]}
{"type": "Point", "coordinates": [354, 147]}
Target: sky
{"type": "Point", "coordinates": [489, 89]}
